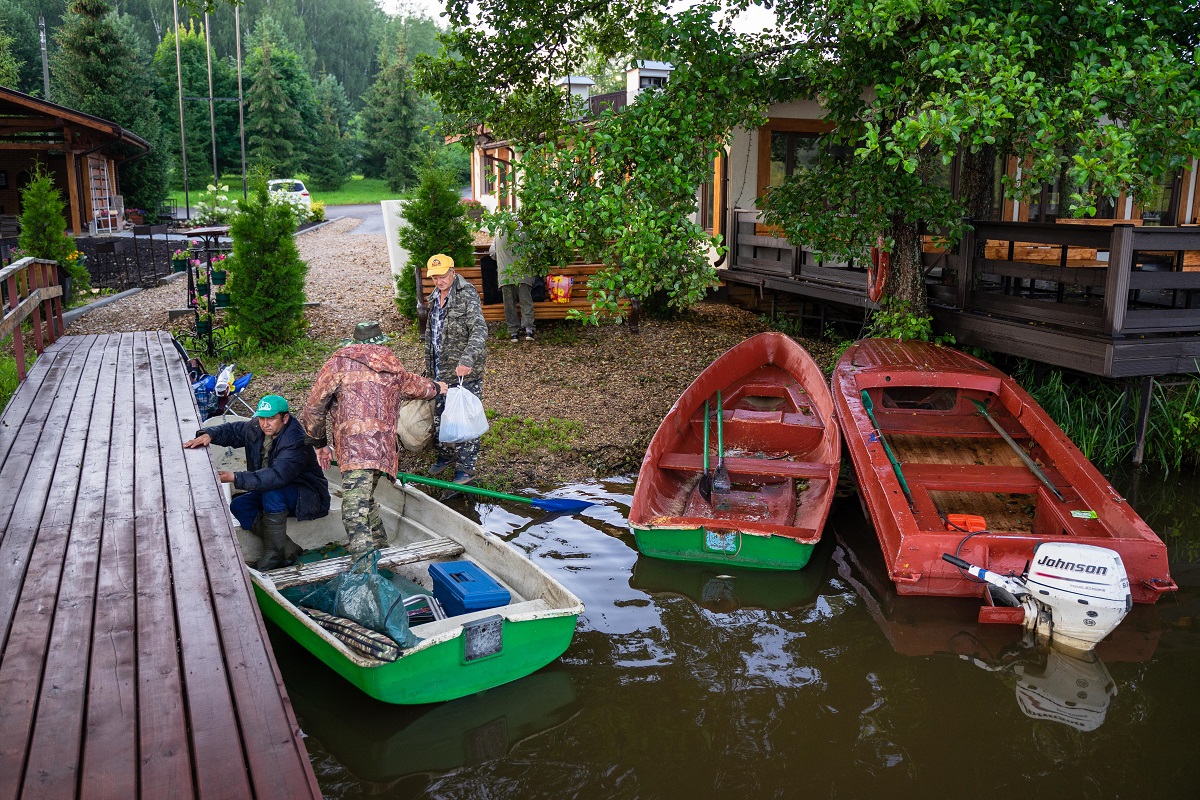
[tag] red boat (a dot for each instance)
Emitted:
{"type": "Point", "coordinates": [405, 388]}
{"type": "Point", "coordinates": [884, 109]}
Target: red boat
{"type": "Point", "coordinates": [782, 453]}
{"type": "Point", "coordinates": [952, 456]}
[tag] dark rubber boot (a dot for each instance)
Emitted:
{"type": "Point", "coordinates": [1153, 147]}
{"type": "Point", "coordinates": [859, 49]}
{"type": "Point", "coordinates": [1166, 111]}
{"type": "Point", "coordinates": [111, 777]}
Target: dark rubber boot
{"type": "Point", "coordinates": [278, 549]}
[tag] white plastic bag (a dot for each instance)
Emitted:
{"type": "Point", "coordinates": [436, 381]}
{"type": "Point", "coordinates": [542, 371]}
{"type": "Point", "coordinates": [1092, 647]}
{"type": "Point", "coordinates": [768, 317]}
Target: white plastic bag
{"type": "Point", "coordinates": [463, 418]}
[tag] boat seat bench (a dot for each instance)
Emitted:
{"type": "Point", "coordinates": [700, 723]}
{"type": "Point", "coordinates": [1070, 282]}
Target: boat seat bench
{"type": "Point", "coordinates": [389, 558]}
{"type": "Point", "coordinates": [978, 478]}
{"type": "Point", "coordinates": [758, 467]}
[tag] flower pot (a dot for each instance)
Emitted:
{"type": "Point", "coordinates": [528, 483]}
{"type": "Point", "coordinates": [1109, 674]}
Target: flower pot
{"type": "Point", "coordinates": [203, 327]}
{"type": "Point", "coordinates": [179, 266]}
{"type": "Point", "coordinates": [201, 289]}
{"type": "Point", "coordinates": [222, 299]}
{"type": "Point", "coordinates": [134, 219]}
{"type": "Point", "coordinates": [218, 277]}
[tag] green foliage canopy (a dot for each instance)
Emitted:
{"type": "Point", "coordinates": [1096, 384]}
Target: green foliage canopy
{"type": "Point", "coordinates": [433, 223]}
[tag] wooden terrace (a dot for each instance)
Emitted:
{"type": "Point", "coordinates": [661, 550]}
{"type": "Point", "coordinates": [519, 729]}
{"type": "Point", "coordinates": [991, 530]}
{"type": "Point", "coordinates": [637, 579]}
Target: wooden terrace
{"type": "Point", "coordinates": [133, 661]}
{"type": "Point", "coordinates": [1109, 298]}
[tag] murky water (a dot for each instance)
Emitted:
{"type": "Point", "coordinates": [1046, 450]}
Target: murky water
{"type": "Point", "coordinates": [694, 682]}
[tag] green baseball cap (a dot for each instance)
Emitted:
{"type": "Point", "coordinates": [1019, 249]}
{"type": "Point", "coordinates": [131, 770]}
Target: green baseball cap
{"type": "Point", "coordinates": [271, 405]}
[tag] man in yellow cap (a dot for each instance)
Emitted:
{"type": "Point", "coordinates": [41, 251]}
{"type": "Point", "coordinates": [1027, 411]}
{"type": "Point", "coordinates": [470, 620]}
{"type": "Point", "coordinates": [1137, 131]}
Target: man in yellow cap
{"type": "Point", "coordinates": [455, 352]}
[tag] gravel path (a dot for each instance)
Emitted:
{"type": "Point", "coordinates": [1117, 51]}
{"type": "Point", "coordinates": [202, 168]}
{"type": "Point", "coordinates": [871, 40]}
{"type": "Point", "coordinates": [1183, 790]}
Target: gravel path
{"type": "Point", "coordinates": [348, 275]}
{"type": "Point", "coordinates": [615, 384]}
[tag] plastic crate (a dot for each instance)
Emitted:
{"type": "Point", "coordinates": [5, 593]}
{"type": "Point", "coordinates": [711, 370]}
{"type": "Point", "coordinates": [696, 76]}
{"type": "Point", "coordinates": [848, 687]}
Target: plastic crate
{"type": "Point", "coordinates": [462, 587]}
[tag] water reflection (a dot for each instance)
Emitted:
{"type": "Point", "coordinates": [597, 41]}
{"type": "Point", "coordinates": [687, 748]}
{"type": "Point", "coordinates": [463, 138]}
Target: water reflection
{"type": "Point", "coordinates": [701, 682]}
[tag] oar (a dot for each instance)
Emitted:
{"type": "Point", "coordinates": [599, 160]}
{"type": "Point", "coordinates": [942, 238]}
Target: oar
{"type": "Point", "coordinates": [1041, 476]}
{"type": "Point", "coordinates": [887, 448]}
{"type": "Point", "coordinates": [721, 482]}
{"type": "Point", "coordinates": [544, 503]}
{"type": "Point", "coordinates": [705, 487]}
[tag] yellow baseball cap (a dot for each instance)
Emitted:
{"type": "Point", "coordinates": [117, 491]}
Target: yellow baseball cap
{"type": "Point", "coordinates": [439, 264]}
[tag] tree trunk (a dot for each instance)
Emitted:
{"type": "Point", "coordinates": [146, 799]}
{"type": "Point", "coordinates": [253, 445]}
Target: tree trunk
{"type": "Point", "coordinates": [906, 281]}
{"type": "Point", "coordinates": [978, 181]}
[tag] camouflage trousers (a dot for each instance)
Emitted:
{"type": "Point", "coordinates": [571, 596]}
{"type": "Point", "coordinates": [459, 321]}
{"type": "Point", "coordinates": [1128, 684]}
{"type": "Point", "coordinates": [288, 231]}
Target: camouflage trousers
{"type": "Point", "coordinates": [360, 512]}
{"type": "Point", "coordinates": [462, 454]}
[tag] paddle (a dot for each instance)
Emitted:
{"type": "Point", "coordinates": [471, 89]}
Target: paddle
{"type": "Point", "coordinates": [1041, 476]}
{"type": "Point", "coordinates": [705, 487]}
{"type": "Point", "coordinates": [720, 482]}
{"type": "Point", "coordinates": [869, 406]}
{"type": "Point", "coordinates": [544, 503]}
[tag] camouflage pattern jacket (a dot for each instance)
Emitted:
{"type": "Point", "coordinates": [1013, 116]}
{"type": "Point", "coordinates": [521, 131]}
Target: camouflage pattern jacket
{"type": "Point", "coordinates": [359, 390]}
{"type": "Point", "coordinates": [464, 334]}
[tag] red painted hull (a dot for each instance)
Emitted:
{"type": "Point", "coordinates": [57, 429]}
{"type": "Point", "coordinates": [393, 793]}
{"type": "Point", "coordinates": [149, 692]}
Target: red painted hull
{"type": "Point", "coordinates": [783, 449]}
{"type": "Point", "coordinates": [955, 463]}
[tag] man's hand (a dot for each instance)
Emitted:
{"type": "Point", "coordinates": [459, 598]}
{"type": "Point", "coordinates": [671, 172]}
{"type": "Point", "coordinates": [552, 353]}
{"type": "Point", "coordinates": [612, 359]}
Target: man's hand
{"type": "Point", "coordinates": [462, 371]}
{"type": "Point", "coordinates": [443, 387]}
{"type": "Point", "coordinates": [200, 441]}
{"type": "Point", "coordinates": [324, 457]}
{"type": "Point", "coordinates": [226, 477]}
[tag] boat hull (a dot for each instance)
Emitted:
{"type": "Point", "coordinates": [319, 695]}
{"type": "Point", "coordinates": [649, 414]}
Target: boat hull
{"type": "Point", "coordinates": [782, 450]}
{"type": "Point", "coordinates": [926, 400]}
{"type": "Point", "coordinates": [433, 672]}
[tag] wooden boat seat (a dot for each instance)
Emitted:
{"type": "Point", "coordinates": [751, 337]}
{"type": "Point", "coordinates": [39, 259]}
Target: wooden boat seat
{"type": "Point", "coordinates": [757, 467]}
{"type": "Point", "coordinates": [979, 478]}
{"type": "Point", "coordinates": [389, 558]}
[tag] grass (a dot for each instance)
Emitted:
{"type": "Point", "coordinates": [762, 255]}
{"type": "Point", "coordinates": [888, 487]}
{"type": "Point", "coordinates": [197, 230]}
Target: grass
{"type": "Point", "coordinates": [8, 379]}
{"type": "Point", "coordinates": [356, 191]}
{"type": "Point", "coordinates": [1100, 418]}
{"type": "Point", "coordinates": [521, 436]}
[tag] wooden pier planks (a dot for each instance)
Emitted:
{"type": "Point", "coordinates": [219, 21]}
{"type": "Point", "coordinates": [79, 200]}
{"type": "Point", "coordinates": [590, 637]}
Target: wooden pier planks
{"type": "Point", "coordinates": [133, 662]}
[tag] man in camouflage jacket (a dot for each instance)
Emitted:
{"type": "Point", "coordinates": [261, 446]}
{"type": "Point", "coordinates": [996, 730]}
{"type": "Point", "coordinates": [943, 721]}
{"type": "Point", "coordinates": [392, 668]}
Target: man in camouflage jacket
{"type": "Point", "coordinates": [455, 349]}
{"type": "Point", "coordinates": [356, 398]}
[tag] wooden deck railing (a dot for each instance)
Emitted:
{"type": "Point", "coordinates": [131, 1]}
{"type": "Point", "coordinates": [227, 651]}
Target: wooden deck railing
{"type": "Point", "coordinates": [29, 284]}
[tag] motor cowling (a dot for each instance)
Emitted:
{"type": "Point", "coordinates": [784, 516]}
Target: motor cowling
{"type": "Point", "coordinates": [1084, 591]}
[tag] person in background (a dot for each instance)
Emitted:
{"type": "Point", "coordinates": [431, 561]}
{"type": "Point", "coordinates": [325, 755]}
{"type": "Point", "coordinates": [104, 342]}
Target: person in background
{"type": "Point", "coordinates": [512, 285]}
{"type": "Point", "coordinates": [455, 351]}
{"type": "Point", "coordinates": [354, 401]}
{"type": "Point", "coordinates": [282, 479]}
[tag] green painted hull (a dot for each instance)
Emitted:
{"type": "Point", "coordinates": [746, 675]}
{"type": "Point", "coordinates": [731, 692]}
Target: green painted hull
{"type": "Point", "coordinates": [698, 546]}
{"type": "Point", "coordinates": [433, 673]}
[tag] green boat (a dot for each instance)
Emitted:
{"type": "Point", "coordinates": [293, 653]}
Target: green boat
{"type": "Point", "coordinates": [456, 655]}
{"type": "Point", "coordinates": [760, 502]}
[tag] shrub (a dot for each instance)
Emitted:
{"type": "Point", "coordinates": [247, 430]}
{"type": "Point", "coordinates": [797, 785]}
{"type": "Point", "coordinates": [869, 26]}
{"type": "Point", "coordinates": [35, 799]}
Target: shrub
{"type": "Point", "coordinates": [433, 224]}
{"type": "Point", "coordinates": [268, 293]}
{"type": "Point", "coordinates": [214, 206]}
{"type": "Point", "coordinates": [44, 228]}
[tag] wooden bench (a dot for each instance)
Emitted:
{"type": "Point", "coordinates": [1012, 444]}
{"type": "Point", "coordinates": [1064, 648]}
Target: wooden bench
{"type": "Point", "coordinates": [579, 272]}
{"type": "Point", "coordinates": [757, 467]}
{"type": "Point", "coordinates": [389, 558]}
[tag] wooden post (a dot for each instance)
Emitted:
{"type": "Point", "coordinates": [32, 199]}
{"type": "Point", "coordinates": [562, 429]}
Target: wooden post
{"type": "Point", "coordinates": [53, 319]}
{"type": "Point", "coordinates": [1139, 450]}
{"type": "Point", "coordinates": [1116, 284]}
{"type": "Point", "coordinates": [73, 192]}
{"type": "Point", "coordinates": [35, 283]}
{"type": "Point", "coordinates": [18, 340]}
{"type": "Point", "coordinates": [966, 266]}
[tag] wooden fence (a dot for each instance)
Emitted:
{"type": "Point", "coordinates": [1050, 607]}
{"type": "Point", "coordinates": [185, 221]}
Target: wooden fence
{"type": "Point", "coordinates": [31, 291]}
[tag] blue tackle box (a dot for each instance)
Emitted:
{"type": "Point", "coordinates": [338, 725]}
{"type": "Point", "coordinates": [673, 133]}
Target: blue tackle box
{"type": "Point", "coordinates": [462, 587]}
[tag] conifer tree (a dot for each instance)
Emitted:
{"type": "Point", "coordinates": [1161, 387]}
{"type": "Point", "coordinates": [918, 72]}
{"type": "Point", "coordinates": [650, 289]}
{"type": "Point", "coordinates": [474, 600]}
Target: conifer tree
{"type": "Point", "coordinates": [434, 224]}
{"type": "Point", "coordinates": [10, 67]}
{"type": "Point", "coordinates": [273, 126]}
{"type": "Point", "coordinates": [99, 70]}
{"type": "Point", "coordinates": [267, 285]}
{"type": "Point", "coordinates": [328, 166]}
{"type": "Point", "coordinates": [395, 146]}
{"type": "Point", "coordinates": [44, 228]}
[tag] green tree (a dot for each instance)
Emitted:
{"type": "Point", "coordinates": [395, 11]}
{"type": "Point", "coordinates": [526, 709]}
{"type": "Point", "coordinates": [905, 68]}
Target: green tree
{"type": "Point", "coordinates": [1104, 94]}
{"type": "Point", "coordinates": [267, 287]}
{"type": "Point", "coordinates": [44, 227]}
{"type": "Point", "coordinates": [98, 70]}
{"type": "Point", "coordinates": [274, 129]}
{"type": "Point", "coordinates": [433, 223]}
{"type": "Point", "coordinates": [329, 165]}
{"type": "Point", "coordinates": [394, 145]}
{"type": "Point", "coordinates": [15, 21]}
{"type": "Point", "coordinates": [10, 67]}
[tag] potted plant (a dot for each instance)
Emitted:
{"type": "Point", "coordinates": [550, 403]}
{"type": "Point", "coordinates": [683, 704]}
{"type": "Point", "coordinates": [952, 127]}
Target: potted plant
{"type": "Point", "coordinates": [219, 269]}
{"type": "Point", "coordinates": [135, 216]}
{"type": "Point", "coordinates": [204, 317]}
{"type": "Point", "coordinates": [201, 280]}
{"type": "Point", "coordinates": [179, 260]}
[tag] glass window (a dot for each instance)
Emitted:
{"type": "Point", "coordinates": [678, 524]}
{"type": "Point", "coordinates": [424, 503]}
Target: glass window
{"type": "Point", "coordinates": [791, 152]}
{"type": "Point", "coordinates": [1161, 207]}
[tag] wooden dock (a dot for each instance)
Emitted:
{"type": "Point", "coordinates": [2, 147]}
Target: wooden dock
{"type": "Point", "coordinates": [133, 661]}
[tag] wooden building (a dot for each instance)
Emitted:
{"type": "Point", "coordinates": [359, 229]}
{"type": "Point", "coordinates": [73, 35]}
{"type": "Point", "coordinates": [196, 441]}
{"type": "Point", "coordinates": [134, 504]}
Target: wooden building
{"type": "Point", "coordinates": [82, 152]}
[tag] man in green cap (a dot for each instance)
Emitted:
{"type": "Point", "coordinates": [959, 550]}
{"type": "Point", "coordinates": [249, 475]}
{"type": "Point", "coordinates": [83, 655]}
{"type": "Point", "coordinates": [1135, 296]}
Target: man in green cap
{"type": "Point", "coordinates": [282, 479]}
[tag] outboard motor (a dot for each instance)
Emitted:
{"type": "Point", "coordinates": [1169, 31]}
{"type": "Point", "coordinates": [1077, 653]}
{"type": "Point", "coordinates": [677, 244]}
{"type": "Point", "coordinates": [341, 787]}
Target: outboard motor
{"type": "Point", "coordinates": [1073, 594]}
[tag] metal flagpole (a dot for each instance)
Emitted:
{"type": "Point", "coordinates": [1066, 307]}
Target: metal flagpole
{"type": "Point", "coordinates": [212, 117]}
{"type": "Point", "coordinates": [187, 204]}
{"type": "Point", "coordinates": [237, 28]}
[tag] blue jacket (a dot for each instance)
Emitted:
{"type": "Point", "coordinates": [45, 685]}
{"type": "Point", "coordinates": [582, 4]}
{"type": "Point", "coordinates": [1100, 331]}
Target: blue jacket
{"type": "Point", "coordinates": [291, 463]}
